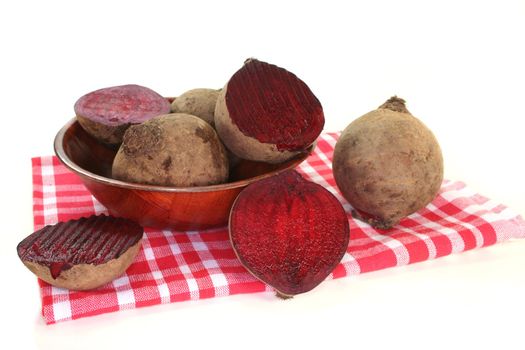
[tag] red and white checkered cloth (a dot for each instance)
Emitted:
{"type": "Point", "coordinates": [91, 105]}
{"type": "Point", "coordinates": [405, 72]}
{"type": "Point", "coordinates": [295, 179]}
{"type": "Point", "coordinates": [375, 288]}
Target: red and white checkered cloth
{"type": "Point", "coordinates": [177, 266]}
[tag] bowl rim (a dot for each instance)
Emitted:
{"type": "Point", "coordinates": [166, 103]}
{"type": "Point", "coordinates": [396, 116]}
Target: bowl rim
{"type": "Point", "coordinates": [58, 145]}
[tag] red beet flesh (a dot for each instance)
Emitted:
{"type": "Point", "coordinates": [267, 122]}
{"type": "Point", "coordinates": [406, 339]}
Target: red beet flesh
{"type": "Point", "coordinates": [289, 232]}
{"type": "Point", "coordinates": [94, 240]}
{"type": "Point", "coordinates": [126, 104]}
{"type": "Point", "coordinates": [274, 106]}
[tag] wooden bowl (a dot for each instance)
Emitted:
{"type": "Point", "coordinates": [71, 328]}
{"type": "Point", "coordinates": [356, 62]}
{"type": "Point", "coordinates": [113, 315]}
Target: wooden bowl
{"type": "Point", "coordinates": [181, 208]}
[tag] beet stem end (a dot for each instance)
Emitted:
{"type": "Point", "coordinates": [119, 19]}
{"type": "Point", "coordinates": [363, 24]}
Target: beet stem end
{"type": "Point", "coordinates": [395, 104]}
{"type": "Point", "coordinates": [283, 296]}
{"type": "Point", "coordinates": [376, 223]}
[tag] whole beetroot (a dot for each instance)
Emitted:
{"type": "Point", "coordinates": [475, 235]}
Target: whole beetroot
{"type": "Point", "coordinates": [198, 102]}
{"type": "Point", "coordinates": [176, 149]}
{"type": "Point", "coordinates": [388, 164]}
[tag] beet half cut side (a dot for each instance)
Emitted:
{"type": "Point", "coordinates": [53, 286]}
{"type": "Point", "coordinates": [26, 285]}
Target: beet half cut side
{"type": "Point", "coordinates": [95, 240]}
{"type": "Point", "coordinates": [124, 104]}
{"type": "Point", "coordinates": [289, 232]}
{"type": "Point", "coordinates": [266, 113]}
{"type": "Point", "coordinates": [273, 105]}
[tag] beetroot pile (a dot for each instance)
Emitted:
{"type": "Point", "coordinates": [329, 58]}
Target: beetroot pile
{"type": "Point", "coordinates": [264, 113]}
{"type": "Point", "coordinates": [288, 232]}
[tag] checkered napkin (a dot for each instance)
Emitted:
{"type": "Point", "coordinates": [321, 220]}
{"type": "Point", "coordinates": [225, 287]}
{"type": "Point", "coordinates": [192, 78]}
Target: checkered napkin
{"type": "Point", "coordinates": [177, 266]}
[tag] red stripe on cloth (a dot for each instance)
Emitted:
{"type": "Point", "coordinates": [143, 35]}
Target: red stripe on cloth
{"type": "Point", "coordinates": [175, 266]}
{"type": "Point", "coordinates": [375, 260]}
{"type": "Point", "coordinates": [87, 303]}
{"type": "Point", "coordinates": [38, 220]}
{"type": "Point", "coordinates": [416, 247]}
{"type": "Point", "coordinates": [339, 271]}
{"type": "Point", "coordinates": [441, 242]}
{"type": "Point", "coordinates": [249, 286]}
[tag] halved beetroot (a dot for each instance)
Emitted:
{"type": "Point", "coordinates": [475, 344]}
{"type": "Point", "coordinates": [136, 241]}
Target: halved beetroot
{"type": "Point", "coordinates": [265, 113]}
{"type": "Point", "coordinates": [82, 254]}
{"type": "Point", "coordinates": [289, 232]}
{"type": "Point", "coordinates": [107, 113]}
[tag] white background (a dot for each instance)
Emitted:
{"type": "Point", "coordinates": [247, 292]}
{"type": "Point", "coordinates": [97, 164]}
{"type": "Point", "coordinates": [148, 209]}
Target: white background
{"type": "Point", "coordinates": [459, 65]}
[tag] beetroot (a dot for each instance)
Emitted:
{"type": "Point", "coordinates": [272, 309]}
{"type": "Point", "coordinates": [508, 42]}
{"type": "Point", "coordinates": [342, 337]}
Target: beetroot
{"type": "Point", "coordinates": [81, 254]}
{"type": "Point", "coordinates": [288, 232]}
{"type": "Point", "coordinates": [387, 164]}
{"type": "Point", "coordinates": [265, 113]}
{"type": "Point", "coordinates": [106, 113]}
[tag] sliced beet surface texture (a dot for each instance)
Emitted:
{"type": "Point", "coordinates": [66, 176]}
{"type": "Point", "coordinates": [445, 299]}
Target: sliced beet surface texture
{"type": "Point", "coordinates": [274, 106]}
{"type": "Point", "coordinates": [93, 240]}
{"type": "Point", "coordinates": [124, 104]}
{"type": "Point", "coordinates": [289, 232]}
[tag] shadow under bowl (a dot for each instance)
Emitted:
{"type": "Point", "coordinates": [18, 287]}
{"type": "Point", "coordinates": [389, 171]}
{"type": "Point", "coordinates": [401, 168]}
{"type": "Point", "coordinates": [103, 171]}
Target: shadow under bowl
{"type": "Point", "coordinates": [180, 208]}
